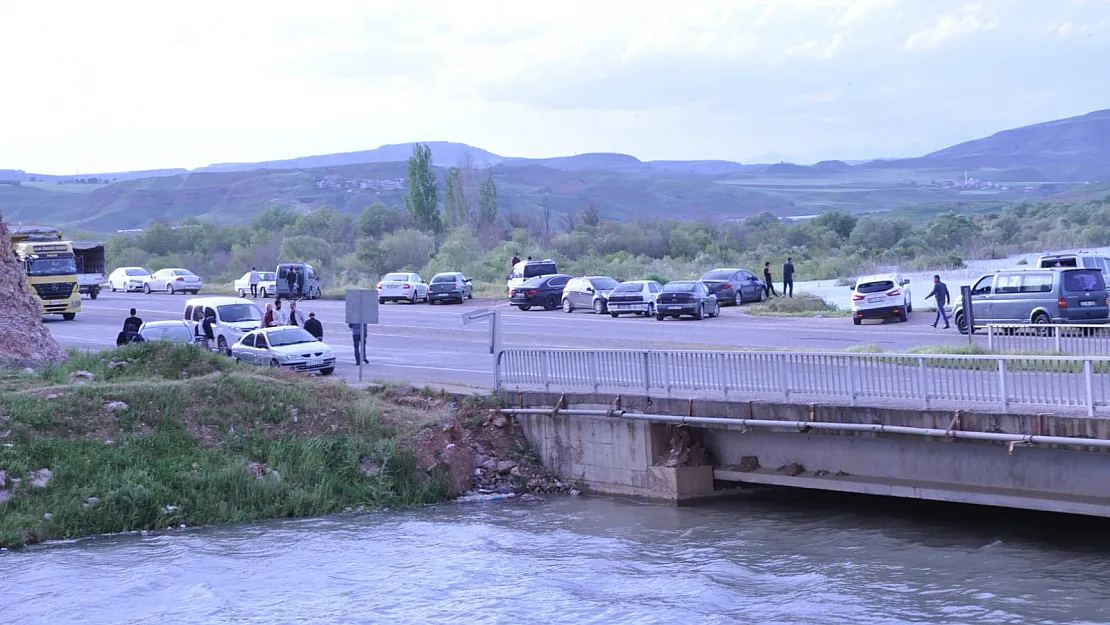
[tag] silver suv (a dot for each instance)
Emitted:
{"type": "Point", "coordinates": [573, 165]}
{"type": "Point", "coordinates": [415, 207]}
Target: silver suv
{"type": "Point", "coordinates": [1037, 296]}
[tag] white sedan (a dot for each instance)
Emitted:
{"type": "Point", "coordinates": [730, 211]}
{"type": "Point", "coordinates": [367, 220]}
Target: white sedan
{"type": "Point", "coordinates": [174, 280]}
{"type": "Point", "coordinates": [285, 346]}
{"type": "Point", "coordinates": [128, 279]}
{"type": "Point", "coordinates": [634, 297]}
{"type": "Point", "coordinates": [402, 287]}
{"type": "Point", "coordinates": [267, 284]}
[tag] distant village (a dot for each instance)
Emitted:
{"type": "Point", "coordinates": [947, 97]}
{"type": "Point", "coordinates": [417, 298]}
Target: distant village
{"type": "Point", "coordinates": [335, 183]}
{"type": "Point", "coordinates": [970, 182]}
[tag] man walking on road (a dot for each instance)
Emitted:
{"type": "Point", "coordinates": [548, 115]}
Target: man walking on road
{"type": "Point", "coordinates": [313, 326]}
{"type": "Point", "coordinates": [940, 293]}
{"type": "Point", "coordinates": [768, 280]}
{"type": "Point", "coordinates": [788, 277]}
{"type": "Point", "coordinates": [356, 338]}
{"type": "Point", "coordinates": [254, 280]}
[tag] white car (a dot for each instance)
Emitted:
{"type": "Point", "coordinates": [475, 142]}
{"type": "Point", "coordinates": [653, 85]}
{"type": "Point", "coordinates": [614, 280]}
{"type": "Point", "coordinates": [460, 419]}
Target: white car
{"type": "Point", "coordinates": [881, 296]}
{"type": "Point", "coordinates": [288, 346]}
{"type": "Point", "coordinates": [634, 297]}
{"type": "Point", "coordinates": [267, 284]}
{"type": "Point", "coordinates": [402, 287]}
{"type": "Point", "coordinates": [175, 280]}
{"type": "Point", "coordinates": [128, 279]}
{"type": "Point", "coordinates": [235, 317]}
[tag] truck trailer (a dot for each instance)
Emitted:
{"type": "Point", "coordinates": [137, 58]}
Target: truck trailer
{"type": "Point", "coordinates": [90, 258]}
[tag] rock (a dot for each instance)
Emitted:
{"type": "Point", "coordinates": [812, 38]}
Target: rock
{"type": "Point", "coordinates": [3, 479]}
{"type": "Point", "coordinates": [48, 517]}
{"type": "Point", "coordinates": [490, 464]}
{"type": "Point", "coordinates": [499, 421]}
{"type": "Point", "coordinates": [119, 364]}
{"type": "Point", "coordinates": [115, 406]}
{"type": "Point", "coordinates": [41, 478]}
{"type": "Point", "coordinates": [480, 460]}
{"type": "Point", "coordinates": [515, 472]}
{"type": "Point", "coordinates": [24, 338]}
{"type": "Point", "coordinates": [5, 418]}
{"type": "Point", "coordinates": [258, 470]}
{"type": "Point", "coordinates": [4, 495]}
{"type": "Point", "coordinates": [92, 501]}
{"type": "Point", "coordinates": [369, 467]}
{"type": "Point", "coordinates": [574, 492]}
{"type": "Point", "coordinates": [794, 469]}
{"type": "Point", "coordinates": [169, 509]}
{"type": "Point", "coordinates": [505, 466]}
{"type": "Point", "coordinates": [81, 377]}
{"type": "Point", "coordinates": [749, 463]}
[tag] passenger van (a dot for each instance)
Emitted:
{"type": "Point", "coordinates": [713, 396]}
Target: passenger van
{"type": "Point", "coordinates": [235, 317]}
{"type": "Point", "coordinates": [527, 269]}
{"type": "Point", "coordinates": [305, 274]}
{"type": "Point", "coordinates": [1037, 296]}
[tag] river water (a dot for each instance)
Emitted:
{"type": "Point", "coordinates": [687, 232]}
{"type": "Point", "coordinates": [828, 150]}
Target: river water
{"type": "Point", "coordinates": [783, 557]}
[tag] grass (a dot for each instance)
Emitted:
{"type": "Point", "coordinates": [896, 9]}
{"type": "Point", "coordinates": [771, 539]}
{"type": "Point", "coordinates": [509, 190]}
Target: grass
{"type": "Point", "coordinates": [180, 452]}
{"type": "Point", "coordinates": [801, 305]}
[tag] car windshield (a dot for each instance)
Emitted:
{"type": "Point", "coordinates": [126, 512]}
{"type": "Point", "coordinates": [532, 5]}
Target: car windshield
{"type": "Point", "coordinates": [443, 277]}
{"type": "Point", "coordinates": [183, 272]}
{"type": "Point", "coordinates": [51, 266]}
{"type": "Point", "coordinates": [292, 336]}
{"type": "Point", "coordinates": [1084, 280]}
{"type": "Point", "coordinates": [633, 287]}
{"type": "Point", "coordinates": [176, 333]}
{"type": "Point", "coordinates": [679, 287]}
{"type": "Point", "coordinates": [876, 286]}
{"type": "Point", "coordinates": [604, 284]}
{"type": "Point", "coordinates": [234, 313]}
{"type": "Point", "coordinates": [539, 269]}
{"type": "Point", "coordinates": [717, 274]}
{"type": "Point", "coordinates": [136, 272]}
{"type": "Point", "coordinates": [396, 277]}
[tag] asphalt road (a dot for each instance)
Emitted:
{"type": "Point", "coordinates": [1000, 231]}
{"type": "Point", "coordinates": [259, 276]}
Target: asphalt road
{"type": "Point", "coordinates": [425, 344]}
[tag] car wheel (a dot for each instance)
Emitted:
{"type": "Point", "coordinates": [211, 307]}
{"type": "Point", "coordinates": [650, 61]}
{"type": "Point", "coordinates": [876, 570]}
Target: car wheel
{"type": "Point", "coordinates": [551, 303]}
{"type": "Point", "coordinates": [716, 311]}
{"type": "Point", "coordinates": [242, 293]}
{"type": "Point", "coordinates": [327, 371]}
{"type": "Point", "coordinates": [112, 286]}
{"type": "Point", "coordinates": [961, 322]}
{"type": "Point", "coordinates": [762, 295]}
{"type": "Point", "coordinates": [1041, 319]}
{"type": "Point", "coordinates": [146, 288]}
{"type": "Point", "coordinates": [273, 362]}
{"type": "Point", "coordinates": [701, 313]}
{"type": "Point", "coordinates": [651, 310]}
{"type": "Point", "coordinates": [413, 300]}
{"type": "Point", "coordinates": [909, 306]}
{"type": "Point", "coordinates": [525, 307]}
{"type": "Point", "coordinates": [567, 307]}
{"type": "Point", "coordinates": [170, 289]}
{"type": "Point", "coordinates": [221, 344]}
{"type": "Point", "coordinates": [262, 292]}
{"type": "Point", "coordinates": [69, 316]}
{"type": "Point", "coordinates": [659, 317]}
{"type": "Point", "coordinates": [599, 307]}
{"type": "Point", "coordinates": [614, 315]}
{"type": "Point", "coordinates": [470, 295]}
{"type": "Point", "coordinates": [381, 302]}
{"type": "Point", "coordinates": [856, 321]}
{"type": "Point", "coordinates": [739, 300]}
{"type": "Point", "coordinates": [902, 316]}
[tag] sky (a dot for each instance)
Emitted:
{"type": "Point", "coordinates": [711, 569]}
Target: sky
{"type": "Point", "coordinates": [122, 85]}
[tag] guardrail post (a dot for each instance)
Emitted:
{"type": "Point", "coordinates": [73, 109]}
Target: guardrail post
{"type": "Point", "coordinates": [722, 377]}
{"type": "Point", "coordinates": [545, 370]}
{"type": "Point", "coordinates": [1056, 332]}
{"type": "Point", "coordinates": [923, 381]}
{"type": "Point", "coordinates": [497, 371]}
{"type": "Point", "coordinates": [784, 380]}
{"type": "Point", "coordinates": [667, 372]}
{"type": "Point", "coordinates": [1002, 385]}
{"type": "Point", "coordinates": [595, 368]}
{"type": "Point", "coordinates": [647, 373]}
{"type": "Point", "coordinates": [990, 338]}
{"type": "Point", "coordinates": [1088, 377]}
{"type": "Point", "coordinates": [851, 381]}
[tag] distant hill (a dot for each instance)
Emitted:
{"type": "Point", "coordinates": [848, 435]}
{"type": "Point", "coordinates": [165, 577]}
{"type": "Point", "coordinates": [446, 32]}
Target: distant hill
{"type": "Point", "coordinates": [444, 154]}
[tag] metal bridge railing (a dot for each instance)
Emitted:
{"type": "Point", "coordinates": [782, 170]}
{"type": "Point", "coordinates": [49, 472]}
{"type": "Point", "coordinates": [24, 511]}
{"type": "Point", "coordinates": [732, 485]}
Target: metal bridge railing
{"type": "Point", "coordinates": [1049, 339]}
{"type": "Point", "coordinates": [918, 380]}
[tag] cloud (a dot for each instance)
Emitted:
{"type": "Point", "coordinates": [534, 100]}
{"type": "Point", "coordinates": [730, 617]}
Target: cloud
{"type": "Point", "coordinates": [967, 22]}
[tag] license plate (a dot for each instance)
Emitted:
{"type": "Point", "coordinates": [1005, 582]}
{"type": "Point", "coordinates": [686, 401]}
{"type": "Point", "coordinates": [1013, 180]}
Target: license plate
{"type": "Point", "coordinates": [622, 306]}
{"type": "Point", "coordinates": [315, 362]}
{"type": "Point", "coordinates": [875, 300]}
{"type": "Point", "coordinates": [1087, 303]}
{"type": "Point", "coordinates": [392, 286]}
{"type": "Point", "coordinates": [672, 308]}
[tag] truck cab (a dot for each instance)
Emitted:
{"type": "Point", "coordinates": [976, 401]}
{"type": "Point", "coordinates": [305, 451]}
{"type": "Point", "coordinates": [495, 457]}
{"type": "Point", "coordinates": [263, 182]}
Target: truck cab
{"type": "Point", "coordinates": [50, 269]}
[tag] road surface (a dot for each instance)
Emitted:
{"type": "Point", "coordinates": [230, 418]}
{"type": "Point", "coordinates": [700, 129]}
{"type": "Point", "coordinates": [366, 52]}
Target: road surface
{"type": "Point", "coordinates": [424, 344]}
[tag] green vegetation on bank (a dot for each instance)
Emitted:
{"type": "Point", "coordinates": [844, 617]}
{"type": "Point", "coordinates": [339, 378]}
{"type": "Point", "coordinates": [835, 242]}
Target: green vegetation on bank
{"type": "Point", "coordinates": [180, 436]}
{"type": "Point", "coordinates": [466, 229]}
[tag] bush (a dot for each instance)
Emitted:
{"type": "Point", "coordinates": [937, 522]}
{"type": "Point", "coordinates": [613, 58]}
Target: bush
{"type": "Point", "coordinates": [800, 303]}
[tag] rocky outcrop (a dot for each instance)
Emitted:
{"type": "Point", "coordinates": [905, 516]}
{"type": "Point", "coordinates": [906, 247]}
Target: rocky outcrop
{"type": "Point", "coordinates": [24, 339]}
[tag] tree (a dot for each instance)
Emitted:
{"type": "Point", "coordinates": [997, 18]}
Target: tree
{"type": "Point", "coordinates": [545, 207]}
{"type": "Point", "coordinates": [452, 197]}
{"type": "Point", "coordinates": [590, 215]}
{"type": "Point", "coordinates": [488, 200]}
{"type": "Point", "coordinates": [406, 249]}
{"type": "Point", "coordinates": [422, 199]}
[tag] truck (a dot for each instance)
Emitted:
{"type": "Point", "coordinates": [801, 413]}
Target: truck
{"type": "Point", "coordinates": [49, 268]}
{"type": "Point", "coordinates": [90, 258]}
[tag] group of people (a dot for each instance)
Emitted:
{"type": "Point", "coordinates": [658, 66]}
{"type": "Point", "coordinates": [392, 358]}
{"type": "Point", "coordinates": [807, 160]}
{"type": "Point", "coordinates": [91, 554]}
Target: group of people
{"type": "Point", "coordinates": [787, 279]}
{"type": "Point", "coordinates": [276, 316]}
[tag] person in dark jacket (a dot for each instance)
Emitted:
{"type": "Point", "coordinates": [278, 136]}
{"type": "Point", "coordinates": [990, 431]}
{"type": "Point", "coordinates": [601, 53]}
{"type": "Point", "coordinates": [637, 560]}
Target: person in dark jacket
{"type": "Point", "coordinates": [788, 277]}
{"type": "Point", "coordinates": [768, 280]}
{"type": "Point", "coordinates": [940, 294]}
{"type": "Point", "coordinates": [300, 283]}
{"type": "Point", "coordinates": [208, 325]}
{"type": "Point", "coordinates": [357, 331]}
{"type": "Point", "coordinates": [291, 281]}
{"type": "Point", "coordinates": [313, 326]}
{"type": "Point", "coordinates": [130, 333]}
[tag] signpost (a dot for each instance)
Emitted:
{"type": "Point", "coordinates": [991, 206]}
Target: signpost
{"type": "Point", "coordinates": [362, 310]}
{"type": "Point", "coordinates": [494, 325]}
{"type": "Point", "coordinates": [969, 313]}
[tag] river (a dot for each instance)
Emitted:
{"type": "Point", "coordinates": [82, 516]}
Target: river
{"type": "Point", "coordinates": [782, 557]}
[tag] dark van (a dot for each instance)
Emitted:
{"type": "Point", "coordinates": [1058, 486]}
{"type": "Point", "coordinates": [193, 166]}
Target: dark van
{"type": "Point", "coordinates": [1038, 296]}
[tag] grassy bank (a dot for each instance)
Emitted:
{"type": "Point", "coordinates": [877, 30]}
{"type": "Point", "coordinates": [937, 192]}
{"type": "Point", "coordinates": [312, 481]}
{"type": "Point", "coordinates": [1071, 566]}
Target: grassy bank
{"type": "Point", "coordinates": [179, 436]}
{"type": "Point", "coordinates": [801, 305]}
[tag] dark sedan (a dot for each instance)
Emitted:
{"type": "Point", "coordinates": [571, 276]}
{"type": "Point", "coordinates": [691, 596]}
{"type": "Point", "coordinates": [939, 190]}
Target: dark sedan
{"type": "Point", "coordinates": [451, 286]}
{"type": "Point", "coordinates": [735, 286]}
{"type": "Point", "coordinates": [545, 291]}
{"type": "Point", "coordinates": [686, 297]}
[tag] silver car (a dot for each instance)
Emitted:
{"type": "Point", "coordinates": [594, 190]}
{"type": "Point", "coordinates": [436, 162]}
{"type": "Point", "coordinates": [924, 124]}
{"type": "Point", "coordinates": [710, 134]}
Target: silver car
{"type": "Point", "coordinates": [402, 287]}
{"type": "Point", "coordinates": [172, 331]}
{"type": "Point", "coordinates": [174, 280]}
{"type": "Point", "coordinates": [286, 346]}
{"type": "Point", "coordinates": [634, 297]}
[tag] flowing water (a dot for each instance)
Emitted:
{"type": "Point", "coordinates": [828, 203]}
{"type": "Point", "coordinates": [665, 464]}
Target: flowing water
{"type": "Point", "coordinates": [782, 557]}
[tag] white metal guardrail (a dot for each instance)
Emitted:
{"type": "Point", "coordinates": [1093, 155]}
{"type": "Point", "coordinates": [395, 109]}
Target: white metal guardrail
{"type": "Point", "coordinates": [1003, 382]}
{"type": "Point", "coordinates": [1082, 340]}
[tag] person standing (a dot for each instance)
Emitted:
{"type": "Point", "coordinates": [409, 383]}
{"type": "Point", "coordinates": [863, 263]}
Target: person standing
{"type": "Point", "coordinates": [768, 280]}
{"type": "Point", "coordinates": [291, 281]}
{"type": "Point", "coordinates": [281, 317]}
{"type": "Point", "coordinates": [268, 317]}
{"type": "Point", "coordinates": [296, 318]}
{"type": "Point", "coordinates": [788, 277]}
{"type": "Point", "coordinates": [313, 326]}
{"type": "Point", "coordinates": [208, 325]}
{"type": "Point", "coordinates": [300, 284]}
{"type": "Point", "coordinates": [254, 279]}
{"type": "Point", "coordinates": [132, 323]}
{"type": "Point", "coordinates": [940, 294]}
{"type": "Point", "coordinates": [357, 331]}
{"type": "Point", "coordinates": [514, 260]}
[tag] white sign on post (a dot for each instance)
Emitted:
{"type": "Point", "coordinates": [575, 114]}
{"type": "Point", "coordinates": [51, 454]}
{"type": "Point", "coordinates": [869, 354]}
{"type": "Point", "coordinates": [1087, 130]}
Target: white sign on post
{"type": "Point", "coordinates": [494, 325]}
{"type": "Point", "coordinates": [362, 310]}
